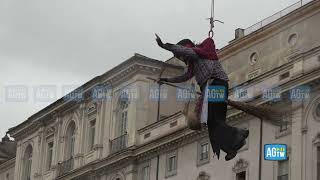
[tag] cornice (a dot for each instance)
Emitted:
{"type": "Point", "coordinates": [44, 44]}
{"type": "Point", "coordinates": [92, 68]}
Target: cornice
{"type": "Point", "coordinates": [134, 67]}
{"type": "Point", "coordinates": [161, 122]}
{"type": "Point", "coordinates": [268, 30]}
{"type": "Point", "coordinates": [8, 164]}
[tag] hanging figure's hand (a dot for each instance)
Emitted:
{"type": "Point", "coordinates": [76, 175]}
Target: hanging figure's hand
{"type": "Point", "coordinates": [159, 41]}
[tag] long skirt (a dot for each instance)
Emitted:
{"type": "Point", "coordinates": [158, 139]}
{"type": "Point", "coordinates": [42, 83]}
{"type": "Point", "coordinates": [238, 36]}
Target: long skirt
{"type": "Point", "coordinates": [221, 135]}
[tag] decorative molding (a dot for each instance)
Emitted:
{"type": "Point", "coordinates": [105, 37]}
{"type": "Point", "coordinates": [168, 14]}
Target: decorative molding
{"type": "Point", "coordinates": [50, 130]}
{"type": "Point", "coordinates": [316, 139]}
{"type": "Point", "coordinates": [203, 176]}
{"type": "Point", "coordinates": [316, 111]}
{"type": "Point", "coordinates": [240, 165]}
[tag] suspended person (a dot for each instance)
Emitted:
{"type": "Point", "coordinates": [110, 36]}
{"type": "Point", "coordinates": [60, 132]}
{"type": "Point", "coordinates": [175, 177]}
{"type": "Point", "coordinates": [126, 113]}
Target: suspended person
{"type": "Point", "coordinates": [202, 62]}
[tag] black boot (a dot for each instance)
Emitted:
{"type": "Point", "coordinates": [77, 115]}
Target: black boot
{"type": "Point", "coordinates": [244, 133]}
{"type": "Point", "coordinates": [239, 143]}
{"type": "Point", "coordinates": [233, 153]}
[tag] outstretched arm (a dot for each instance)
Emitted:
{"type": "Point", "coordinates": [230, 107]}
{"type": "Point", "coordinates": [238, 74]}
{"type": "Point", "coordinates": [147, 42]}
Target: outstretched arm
{"type": "Point", "coordinates": [178, 50]}
{"type": "Point", "coordinates": [185, 77]}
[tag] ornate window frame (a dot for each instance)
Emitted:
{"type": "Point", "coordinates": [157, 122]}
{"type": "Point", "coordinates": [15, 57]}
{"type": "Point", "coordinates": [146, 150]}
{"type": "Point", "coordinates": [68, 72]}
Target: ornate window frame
{"type": "Point", "coordinates": [68, 139]}
{"type": "Point", "coordinates": [199, 145]}
{"type": "Point", "coordinates": [29, 147]}
{"type": "Point", "coordinates": [142, 166]}
{"type": "Point", "coordinates": [203, 176]}
{"type": "Point", "coordinates": [315, 114]}
{"type": "Point", "coordinates": [276, 165]}
{"type": "Point", "coordinates": [241, 165]}
{"type": "Point", "coordinates": [168, 156]}
{"type": "Point", "coordinates": [49, 140]}
{"type": "Point", "coordinates": [118, 176]}
{"type": "Point", "coordinates": [315, 145]}
{"type": "Point", "coordinates": [284, 132]}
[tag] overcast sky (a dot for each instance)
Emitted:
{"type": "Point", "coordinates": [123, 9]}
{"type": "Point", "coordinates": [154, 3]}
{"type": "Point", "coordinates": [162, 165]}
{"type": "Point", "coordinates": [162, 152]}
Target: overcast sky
{"type": "Point", "coordinates": [68, 42]}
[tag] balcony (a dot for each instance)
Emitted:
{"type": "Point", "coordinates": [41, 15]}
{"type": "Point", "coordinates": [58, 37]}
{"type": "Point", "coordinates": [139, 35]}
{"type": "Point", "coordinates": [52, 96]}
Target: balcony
{"type": "Point", "coordinates": [65, 167]}
{"type": "Point", "coordinates": [119, 143]}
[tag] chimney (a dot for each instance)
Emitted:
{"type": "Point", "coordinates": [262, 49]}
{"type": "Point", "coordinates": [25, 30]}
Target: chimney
{"type": "Point", "coordinates": [6, 138]}
{"type": "Point", "coordinates": [239, 33]}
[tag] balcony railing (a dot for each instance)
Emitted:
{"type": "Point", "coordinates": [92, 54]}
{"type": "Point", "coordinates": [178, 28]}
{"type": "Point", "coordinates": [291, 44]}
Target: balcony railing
{"type": "Point", "coordinates": [275, 17]}
{"type": "Point", "coordinates": [66, 166]}
{"type": "Point", "coordinates": [119, 143]}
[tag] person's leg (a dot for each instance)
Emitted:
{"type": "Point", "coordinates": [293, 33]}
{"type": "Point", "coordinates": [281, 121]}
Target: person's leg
{"type": "Point", "coordinates": [224, 137]}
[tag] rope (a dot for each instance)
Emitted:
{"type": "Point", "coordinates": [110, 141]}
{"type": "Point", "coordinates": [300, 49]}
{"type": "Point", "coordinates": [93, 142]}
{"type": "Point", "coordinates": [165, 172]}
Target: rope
{"type": "Point", "coordinates": [211, 20]}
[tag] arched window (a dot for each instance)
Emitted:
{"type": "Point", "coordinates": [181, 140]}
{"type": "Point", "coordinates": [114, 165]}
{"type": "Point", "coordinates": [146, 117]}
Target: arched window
{"type": "Point", "coordinates": [70, 141]}
{"type": "Point", "coordinates": [123, 114]}
{"type": "Point", "coordinates": [27, 163]}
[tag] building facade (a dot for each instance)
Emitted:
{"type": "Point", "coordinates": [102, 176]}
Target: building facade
{"type": "Point", "coordinates": [130, 135]}
{"type": "Point", "coordinates": [7, 158]}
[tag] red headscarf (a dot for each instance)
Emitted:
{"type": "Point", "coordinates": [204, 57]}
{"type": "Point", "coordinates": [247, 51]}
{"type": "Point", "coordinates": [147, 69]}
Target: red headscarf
{"type": "Point", "coordinates": [205, 50]}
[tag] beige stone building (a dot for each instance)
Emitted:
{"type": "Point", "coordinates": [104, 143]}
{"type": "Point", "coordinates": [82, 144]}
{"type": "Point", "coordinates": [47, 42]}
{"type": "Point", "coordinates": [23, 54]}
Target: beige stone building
{"type": "Point", "coordinates": [7, 158]}
{"type": "Point", "coordinates": [143, 139]}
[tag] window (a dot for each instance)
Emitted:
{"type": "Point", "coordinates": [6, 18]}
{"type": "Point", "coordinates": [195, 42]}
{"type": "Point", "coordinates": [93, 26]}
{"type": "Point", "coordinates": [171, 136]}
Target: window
{"type": "Point", "coordinates": [204, 154]}
{"type": "Point", "coordinates": [283, 170]}
{"type": "Point", "coordinates": [318, 163]}
{"type": "Point", "coordinates": [92, 131]}
{"type": "Point", "coordinates": [71, 141]}
{"type": "Point", "coordinates": [284, 126]}
{"type": "Point", "coordinates": [28, 163]}
{"type": "Point", "coordinates": [173, 124]}
{"type": "Point", "coordinates": [171, 168]}
{"type": "Point", "coordinates": [240, 169]}
{"type": "Point", "coordinates": [172, 163]}
{"type": "Point", "coordinates": [241, 176]}
{"type": "Point", "coordinates": [49, 155]}
{"type": "Point", "coordinates": [122, 126]}
{"type": "Point", "coordinates": [318, 110]}
{"type": "Point", "coordinates": [284, 76]}
{"type": "Point", "coordinates": [145, 173]}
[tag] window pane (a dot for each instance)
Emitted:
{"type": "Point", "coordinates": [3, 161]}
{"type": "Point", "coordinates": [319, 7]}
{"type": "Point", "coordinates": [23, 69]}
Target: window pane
{"type": "Point", "coordinates": [72, 141]}
{"type": "Point", "coordinates": [145, 173]}
{"type": "Point", "coordinates": [49, 157]}
{"type": "Point", "coordinates": [204, 150]}
{"type": "Point", "coordinates": [123, 123]}
{"type": "Point", "coordinates": [172, 163]}
{"type": "Point", "coordinates": [241, 176]}
{"type": "Point", "coordinates": [283, 170]}
{"type": "Point", "coordinates": [92, 134]}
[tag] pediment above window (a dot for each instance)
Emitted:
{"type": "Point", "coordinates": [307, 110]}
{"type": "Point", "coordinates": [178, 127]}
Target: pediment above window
{"type": "Point", "coordinates": [240, 165]}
